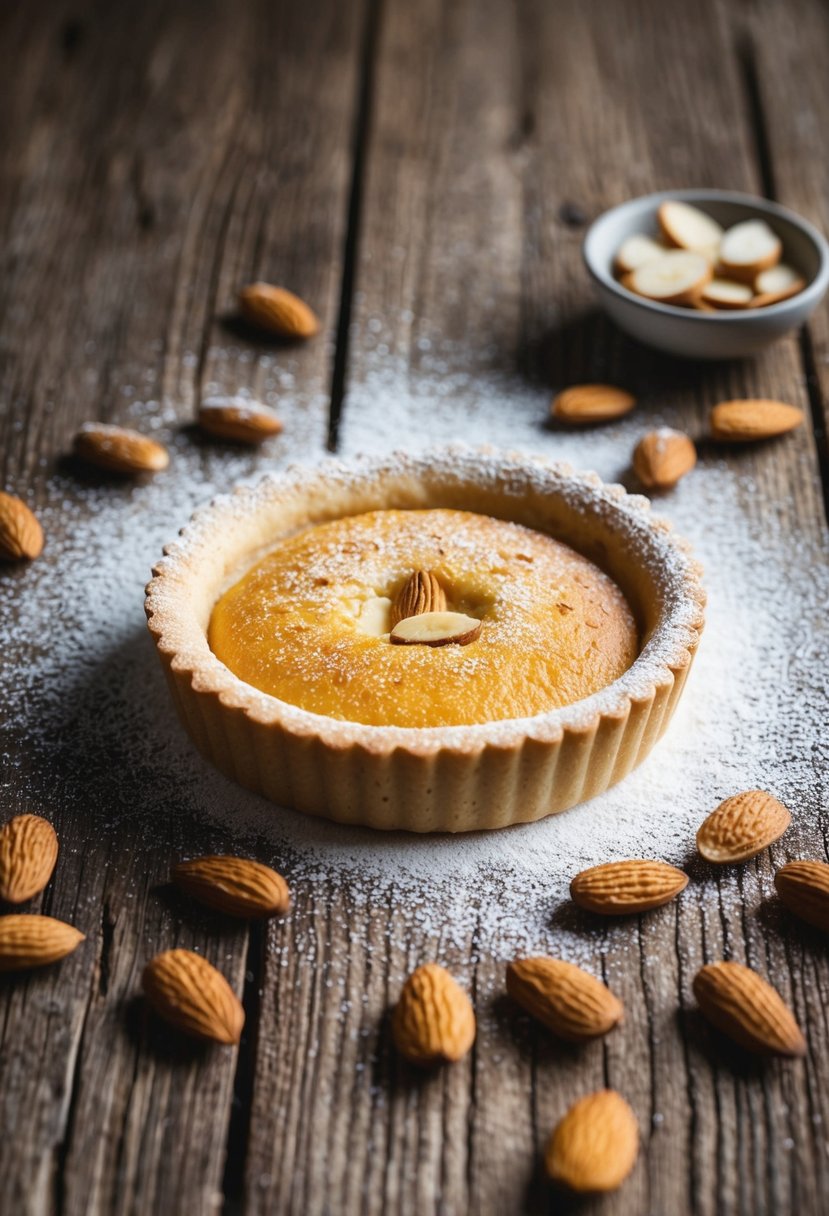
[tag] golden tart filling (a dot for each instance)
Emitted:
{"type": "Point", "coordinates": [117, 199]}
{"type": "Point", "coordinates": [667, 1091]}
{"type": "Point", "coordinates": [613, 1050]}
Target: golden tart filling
{"type": "Point", "coordinates": [311, 622]}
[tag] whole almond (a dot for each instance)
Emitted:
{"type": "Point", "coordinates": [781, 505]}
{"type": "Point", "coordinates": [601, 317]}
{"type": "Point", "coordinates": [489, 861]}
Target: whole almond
{"type": "Point", "coordinates": [420, 593]}
{"type": "Point", "coordinates": [744, 421]}
{"type": "Point", "coordinates": [120, 450]}
{"type": "Point", "coordinates": [803, 887]}
{"type": "Point", "coordinates": [233, 885]}
{"type": "Point", "coordinates": [619, 888]}
{"type": "Point", "coordinates": [34, 941]}
{"type": "Point", "coordinates": [594, 1147]}
{"type": "Point", "coordinates": [239, 421]}
{"type": "Point", "coordinates": [663, 456]}
{"type": "Point", "coordinates": [433, 1020]}
{"type": "Point", "coordinates": [591, 403]}
{"type": "Point", "coordinates": [28, 852]}
{"type": "Point", "coordinates": [187, 991]}
{"type": "Point", "coordinates": [570, 1002]}
{"type": "Point", "coordinates": [278, 311]}
{"type": "Point", "coordinates": [741, 827]}
{"type": "Point", "coordinates": [740, 1003]}
{"type": "Point", "coordinates": [21, 535]}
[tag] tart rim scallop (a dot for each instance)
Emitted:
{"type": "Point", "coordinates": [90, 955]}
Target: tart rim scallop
{"type": "Point", "coordinates": [453, 778]}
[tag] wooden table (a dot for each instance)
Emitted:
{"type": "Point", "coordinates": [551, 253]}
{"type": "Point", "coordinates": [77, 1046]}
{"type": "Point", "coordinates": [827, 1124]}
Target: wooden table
{"type": "Point", "coordinates": [422, 173]}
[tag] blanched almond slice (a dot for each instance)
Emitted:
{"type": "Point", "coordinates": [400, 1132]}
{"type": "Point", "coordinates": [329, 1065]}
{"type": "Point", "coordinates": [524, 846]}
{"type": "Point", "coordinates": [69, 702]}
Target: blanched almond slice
{"type": "Point", "coordinates": [686, 227]}
{"type": "Point", "coordinates": [436, 629]}
{"type": "Point", "coordinates": [674, 278]}
{"type": "Point", "coordinates": [635, 251]}
{"type": "Point", "coordinates": [775, 284]}
{"type": "Point", "coordinates": [727, 293]}
{"type": "Point", "coordinates": [748, 248]}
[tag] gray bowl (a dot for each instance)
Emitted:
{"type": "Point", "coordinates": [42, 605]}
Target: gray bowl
{"type": "Point", "coordinates": [701, 335]}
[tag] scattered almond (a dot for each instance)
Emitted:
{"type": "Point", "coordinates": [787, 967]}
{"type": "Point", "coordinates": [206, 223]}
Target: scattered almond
{"type": "Point", "coordinates": [278, 311]}
{"type": "Point", "coordinates": [436, 629]}
{"type": "Point", "coordinates": [34, 941]}
{"type": "Point", "coordinates": [744, 421]}
{"type": "Point", "coordinates": [803, 887]}
{"type": "Point", "coordinates": [678, 277]}
{"type": "Point", "coordinates": [662, 457]}
{"type": "Point", "coordinates": [741, 827]}
{"type": "Point", "coordinates": [433, 1019]}
{"type": "Point", "coordinates": [119, 450]}
{"type": "Point", "coordinates": [233, 885]}
{"type": "Point", "coordinates": [420, 593]}
{"type": "Point", "coordinates": [686, 227]}
{"type": "Point", "coordinates": [21, 535]}
{"type": "Point", "coordinates": [592, 403]}
{"type": "Point", "coordinates": [187, 991]}
{"type": "Point", "coordinates": [594, 1147]}
{"type": "Point", "coordinates": [620, 888]}
{"type": "Point", "coordinates": [240, 421]}
{"type": "Point", "coordinates": [28, 852]}
{"type": "Point", "coordinates": [570, 1002]}
{"type": "Point", "coordinates": [749, 248]}
{"type": "Point", "coordinates": [740, 1003]}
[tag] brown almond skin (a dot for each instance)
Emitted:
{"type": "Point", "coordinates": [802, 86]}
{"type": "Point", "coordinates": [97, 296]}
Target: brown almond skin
{"type": "Point", "coordinates": [28, 941]}
{"type": "Point", "coordinates": [741, 1004]}
{"type": "Point", "coordinates": [803, 886]}
{"type": "Point", "coordinates": [741, 827]}
{"type": "Point", "coordinates": [586, 403]}
{"type": "Point", "coordinates": [189, 993]}
{"type": "Point", "coordinates": [277, 311]}
{"type": "Point", "coordinates": [621, 888]}
{"type": "Point", "coordinates": [662, 457]}
{"type": "Point", "coordinates": [120, 450]}
{"type": "Point", "coordinates": [21, 536]}
{"type": "Point", "coordinates": [420, 593]}
{"type": "Point", "coordinates": [750, 420]}
{"type": "Point", "coordinates": [237, 422]}
{"type": "Point", "coordinates": [236, 886]}
{"type": "Point", "coordinates": [28, 852]}
{"type": "Point", "coordinates": [433, 1021]}
{"type": "Point", "coordinates": [594, 1147]}
{"type": "Point", "coordinates": [571, 1003]}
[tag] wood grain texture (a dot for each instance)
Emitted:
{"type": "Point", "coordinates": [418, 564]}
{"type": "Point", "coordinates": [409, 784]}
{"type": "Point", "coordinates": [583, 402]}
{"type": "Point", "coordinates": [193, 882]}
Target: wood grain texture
{"type": "Point", "coordinates": [154, 158]}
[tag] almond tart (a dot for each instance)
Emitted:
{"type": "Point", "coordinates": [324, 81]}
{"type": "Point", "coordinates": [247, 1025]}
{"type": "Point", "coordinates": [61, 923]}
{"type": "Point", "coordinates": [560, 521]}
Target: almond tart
{"type": "Point", "coordinates": [545, 625]}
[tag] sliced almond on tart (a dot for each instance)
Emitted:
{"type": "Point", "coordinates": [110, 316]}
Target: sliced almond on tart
{"type": "Point", "coordinates": [749, 248]}
{"type": "Point", "coordinates": [636, 251]}
{"type": "Point", "coordinates": [686, 227]}
{"type": "Point", "coordinates": [776, 284]}
{"type": "Point", "coordinates": [727, 293]}
{"type": "Point", "coordinates": [677, 277]}
{"type": "Point", "coordinates": [436, 629]}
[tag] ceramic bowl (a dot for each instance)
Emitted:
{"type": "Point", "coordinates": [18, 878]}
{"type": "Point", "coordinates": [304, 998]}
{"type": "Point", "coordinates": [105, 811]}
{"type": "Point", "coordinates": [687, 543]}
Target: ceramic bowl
{"type": "Point", "coordinates": [701, 335]}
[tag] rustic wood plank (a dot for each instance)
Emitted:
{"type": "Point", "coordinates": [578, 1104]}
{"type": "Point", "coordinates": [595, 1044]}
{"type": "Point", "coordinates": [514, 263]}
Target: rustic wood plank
{"type": "Point", "coordinates": [156, 158]}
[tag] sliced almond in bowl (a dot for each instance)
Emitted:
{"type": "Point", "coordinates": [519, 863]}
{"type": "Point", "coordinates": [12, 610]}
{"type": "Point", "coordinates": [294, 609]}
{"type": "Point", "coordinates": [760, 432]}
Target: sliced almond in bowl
{"type": "Point", "coordinates": [749, 248]}
{"type": "Point", "coordinates": [727, 293]}
{"type": "Point", "coordinates": [776, 284]}
{"type": "Point", "coordinates": [636, 251]}
{"type": "Point", "coordinates": [677, 277]}
{"type": "Point", "coordinates": [686, 227]}
{"type": "Point", "coordinates": [436, 629]}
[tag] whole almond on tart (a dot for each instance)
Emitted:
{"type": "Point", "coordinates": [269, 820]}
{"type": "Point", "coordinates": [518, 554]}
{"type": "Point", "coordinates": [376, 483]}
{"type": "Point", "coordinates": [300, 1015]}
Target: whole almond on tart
{"type": "Point", "coordinates": [803, 886]}
{"type": "Point", "coordinates": [420, 593]}
{"type": "Point", "coordinates": [239, 421]}
{"type": "Point", "coordinates": [28, 852]}
{"type": "Point", "coordinates": [190, 994]}
{"type": "Point", "coordinates": [744, 1006]}
{"type": "Point", "coordinates": [621, 888]}
{"type": "Point", "coordinates": [433, 1020]}
{"type": "Point", "coordinates": [570, 1002]}
{"type": "Point", "coordinates": [236, 886]}
{"type": "Point", "coordinates": [277, 311]}
{"type": "Point", "coordinates": [594, 1147]}
{"type": "Point", "coordinates": [662, 457]}
{"type": "Point", "coordinates": [586, 403]}
{"type": "Point", "coordinates": [21, 535]}
{"type": "Point", "coordinates": [741, 827]}
{"type": "Point", "coordinates": [752, 419]}
{"type": "Point", "coordinates": [119, 449]}
{"type": "Point", "coordinates": [34, 941]}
